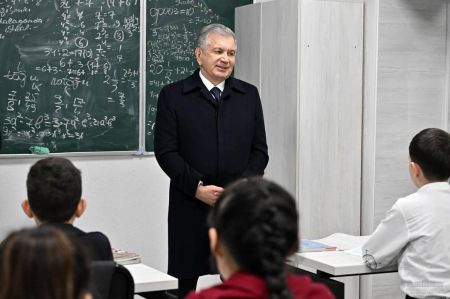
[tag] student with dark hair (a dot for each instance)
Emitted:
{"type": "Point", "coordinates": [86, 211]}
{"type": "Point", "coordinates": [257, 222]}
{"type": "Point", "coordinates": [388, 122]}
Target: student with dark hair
{"type": "Point", "coordinates": [54, 198]}
{"type": "Point", "coordinates": [43, 263]}
{"type": "Point", "coordinates": [253, 228]}
{"type": "Point", "coordinates": [416, 231]}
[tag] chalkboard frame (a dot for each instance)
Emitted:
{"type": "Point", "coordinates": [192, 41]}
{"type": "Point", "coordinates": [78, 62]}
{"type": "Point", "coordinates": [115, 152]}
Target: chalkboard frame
{"type": "Point", "coordinates": [139, 100]}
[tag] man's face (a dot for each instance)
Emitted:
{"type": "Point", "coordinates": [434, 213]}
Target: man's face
{"type": "Point", "coordinates": [217, 60]}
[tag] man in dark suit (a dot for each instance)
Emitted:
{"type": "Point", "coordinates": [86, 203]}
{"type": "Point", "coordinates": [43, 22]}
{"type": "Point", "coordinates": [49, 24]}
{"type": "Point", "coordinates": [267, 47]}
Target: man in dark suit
{"type": "Point", "coordinates": [54, 199]}
{"type": "Point", "coordinates": [209, 131]}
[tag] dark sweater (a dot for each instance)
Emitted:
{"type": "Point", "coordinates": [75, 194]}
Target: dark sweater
{"type": "Point", "coordinates": [96, 243]}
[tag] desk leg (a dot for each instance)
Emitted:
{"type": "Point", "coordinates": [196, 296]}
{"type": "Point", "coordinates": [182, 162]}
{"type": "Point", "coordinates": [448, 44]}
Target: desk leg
{"type": "Point", "coordinates": [336, 287]}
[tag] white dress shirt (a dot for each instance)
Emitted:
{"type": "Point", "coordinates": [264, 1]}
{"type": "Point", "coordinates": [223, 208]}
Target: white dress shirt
{"type": "Point", "coordinates": [416, 234]}
{"type": "Point", "coordinates": [209, 85]}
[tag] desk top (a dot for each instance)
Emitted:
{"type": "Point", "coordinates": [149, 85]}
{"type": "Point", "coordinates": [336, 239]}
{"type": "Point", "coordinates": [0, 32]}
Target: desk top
{"type": "Point", "coordinates": [335, 263]}
{"type": "Point", "coordinates": [339, 262]}
{"type": "Point", "coordinates": [147, 279]}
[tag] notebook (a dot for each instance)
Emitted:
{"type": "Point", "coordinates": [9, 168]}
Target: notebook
{"type": "Point", "coordinates": [125, 258]}
{"type": "Point", "coordinates": [307, 245]}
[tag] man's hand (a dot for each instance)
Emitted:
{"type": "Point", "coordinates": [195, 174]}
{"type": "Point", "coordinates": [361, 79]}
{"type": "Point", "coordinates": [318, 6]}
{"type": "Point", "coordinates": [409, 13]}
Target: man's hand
{"type": "Point", "coordinates": [208, 194]}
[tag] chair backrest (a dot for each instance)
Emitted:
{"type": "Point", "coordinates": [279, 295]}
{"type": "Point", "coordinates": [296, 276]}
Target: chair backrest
{"type": "Point", "coordinates": [111, 281]}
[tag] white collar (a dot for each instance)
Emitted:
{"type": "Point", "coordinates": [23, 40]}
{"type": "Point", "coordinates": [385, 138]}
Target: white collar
{"type": "Point", "coordinates": [209, 85]}
{"type": "Point", "coordinates": [435, 186]}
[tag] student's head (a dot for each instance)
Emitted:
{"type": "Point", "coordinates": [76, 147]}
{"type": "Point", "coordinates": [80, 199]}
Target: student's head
{"type": "Point", "coordinates": [54, 191]}
{"type": "Point", "coordinates": [429, 152]}
{"type": "Point", "coordinates": [42, 263]}
{"type": "Point", "coordinates": [215, 52]}
{"type": "Point", "coordinates": [254, 227]}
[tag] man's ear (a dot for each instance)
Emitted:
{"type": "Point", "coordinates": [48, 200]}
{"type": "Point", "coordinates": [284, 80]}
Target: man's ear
{"type": "Point", "coordinates": [213, 241]}
{"type": "Point", "coordinates": [82, 205]}
{"type": "Point", "coordinates": [26, 208]}
{"type": "Point", "coordinates": [198, 52]}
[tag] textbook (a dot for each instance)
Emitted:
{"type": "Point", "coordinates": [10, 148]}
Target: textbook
{"type": "Point", "coordinates": [125, 258]}
{"type": "Point", "coordinates": [307, 245]}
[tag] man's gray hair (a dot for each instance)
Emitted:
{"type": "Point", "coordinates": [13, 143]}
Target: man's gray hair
{"type": "Point", "coordinates": [220, 29]}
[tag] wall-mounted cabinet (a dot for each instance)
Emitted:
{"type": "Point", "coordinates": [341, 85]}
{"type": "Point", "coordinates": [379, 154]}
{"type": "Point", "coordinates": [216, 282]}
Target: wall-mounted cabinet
{"type": "Point", "coordinates": [306, 57]}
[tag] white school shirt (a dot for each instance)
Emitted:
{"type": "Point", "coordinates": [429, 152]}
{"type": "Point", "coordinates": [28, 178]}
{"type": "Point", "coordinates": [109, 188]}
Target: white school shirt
{"type": "Point", "coordinates": [416, 234]}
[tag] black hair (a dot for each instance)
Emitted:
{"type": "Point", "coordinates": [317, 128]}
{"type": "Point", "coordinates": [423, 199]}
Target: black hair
{"type": "Point", "coordinates": [257, 221]}
{"type": "Point", "coordinates": [43, 263]}
{"type": "Point", "coordinates": [54, 189]}
{"type": "Point", "coordinates": [430, 148]}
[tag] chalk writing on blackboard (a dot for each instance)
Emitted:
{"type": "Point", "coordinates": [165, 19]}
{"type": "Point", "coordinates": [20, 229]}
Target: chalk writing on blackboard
{"type": "Point", "coordinates": [69, 77]}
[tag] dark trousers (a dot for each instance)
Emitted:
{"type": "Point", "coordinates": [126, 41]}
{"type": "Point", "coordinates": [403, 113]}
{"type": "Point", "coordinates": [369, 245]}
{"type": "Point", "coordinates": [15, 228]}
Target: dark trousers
{"type": "Point", "coordinates": [185, 285]}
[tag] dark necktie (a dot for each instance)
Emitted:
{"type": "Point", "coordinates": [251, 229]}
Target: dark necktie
{"type": "Point", "coordinates": [215, 91]}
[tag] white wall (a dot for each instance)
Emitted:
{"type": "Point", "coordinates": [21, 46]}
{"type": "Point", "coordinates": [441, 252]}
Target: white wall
{"type": "Point", "coordinates": [127, 200]}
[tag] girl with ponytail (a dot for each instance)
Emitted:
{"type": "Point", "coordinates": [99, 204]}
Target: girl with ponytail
{"type": "Point", "coordinates": [253, 228]}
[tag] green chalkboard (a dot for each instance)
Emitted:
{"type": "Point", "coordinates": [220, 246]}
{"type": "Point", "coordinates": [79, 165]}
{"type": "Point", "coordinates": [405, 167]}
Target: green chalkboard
{"type": "Point", "coordinates": [69, 75]}
{"type": "Point", "coordinates": [171, 30]}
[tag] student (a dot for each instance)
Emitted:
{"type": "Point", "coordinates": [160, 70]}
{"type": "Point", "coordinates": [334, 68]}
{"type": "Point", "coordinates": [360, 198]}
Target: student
{"type": "Point", "coordinates": [54, 198]}
{"type": "Point", "coordinates": [416, 231]}
{"type": "Point", "coordinates": [43, 263]}
{"type": "Point", "coordinates": [253, 228]}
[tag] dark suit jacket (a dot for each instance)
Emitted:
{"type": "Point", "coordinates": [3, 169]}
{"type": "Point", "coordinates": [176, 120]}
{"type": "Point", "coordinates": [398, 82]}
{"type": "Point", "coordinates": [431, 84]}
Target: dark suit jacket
{"type": "Point", "coordinates": [96, 243]}
{"type": "Point", "coordinates": [197, 139]}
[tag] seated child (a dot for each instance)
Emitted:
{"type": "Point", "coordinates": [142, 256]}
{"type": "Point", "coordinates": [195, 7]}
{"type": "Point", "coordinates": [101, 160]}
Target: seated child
{"type": "Point", "coordinates": [416, 231]}
{"type": "Point", "coordinates": [54, 198]}
{"type": "Point", "coordinates": [43, 263]}
{"type": "Point", "coordinates": [253, 228]}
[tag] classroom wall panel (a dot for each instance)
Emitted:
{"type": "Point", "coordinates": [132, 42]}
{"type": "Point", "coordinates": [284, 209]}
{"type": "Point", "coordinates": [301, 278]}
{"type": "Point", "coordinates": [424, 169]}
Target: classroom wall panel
{"type": "Point", "coordinates": [249, 19]}
{"type": "Point", "coordinates": [279, 87]}
{"type": "Point", "coordinates": [311, 89]}
{"type": "Point", "coordinates": [411, 94]}
{"type": "Point", "coordinates": [276, 82]}
{"type": "Point", "coordinates": [330, 116]}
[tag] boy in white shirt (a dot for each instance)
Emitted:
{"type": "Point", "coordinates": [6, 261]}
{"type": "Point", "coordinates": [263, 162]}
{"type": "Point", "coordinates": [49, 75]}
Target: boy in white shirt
{"type": "Point", "coordinates": [416, 231]}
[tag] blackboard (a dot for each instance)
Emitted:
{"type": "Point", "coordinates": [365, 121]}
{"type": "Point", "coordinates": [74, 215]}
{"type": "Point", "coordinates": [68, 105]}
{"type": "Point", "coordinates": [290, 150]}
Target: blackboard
{"type": "Point", "coordinates": [69, 75]}
{"type": "Point", "coordinates": [171, 30]}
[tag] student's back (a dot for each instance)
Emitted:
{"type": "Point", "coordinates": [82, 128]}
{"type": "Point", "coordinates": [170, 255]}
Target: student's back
{"type": "Point", "coordinates": [253, 228]}
{"type": "Point", "coordinates": [416, 231]}
{"type": "Point", "coordinates": [96, 243]}
{"type": "Point", "coordinates": [54, 199]}
{"type": "Point", "coordinates": [250, 286]}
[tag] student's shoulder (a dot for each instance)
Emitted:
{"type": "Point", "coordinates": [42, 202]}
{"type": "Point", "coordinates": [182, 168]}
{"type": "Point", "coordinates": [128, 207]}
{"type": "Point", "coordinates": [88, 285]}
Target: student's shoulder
{"type": "Point", "coordinates": [218, 292]}
{"type": "Point", "coordinates": [240, 285]}
{"type": "Point", "coordinates": [411, 201]}
{"type": "Point", "coordinates": [97, 236]}
{"type": "Point", "coordinates": [99, 244]}
{"type": "Point", "coordinates": [301, 286]}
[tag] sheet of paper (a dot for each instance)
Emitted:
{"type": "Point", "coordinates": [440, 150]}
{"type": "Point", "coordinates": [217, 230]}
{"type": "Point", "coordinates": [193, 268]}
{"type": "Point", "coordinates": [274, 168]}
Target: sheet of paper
{"type": "Point", "coordinates": [344, 241]}
{"type": "Point", "coordinates": [354, 251]}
